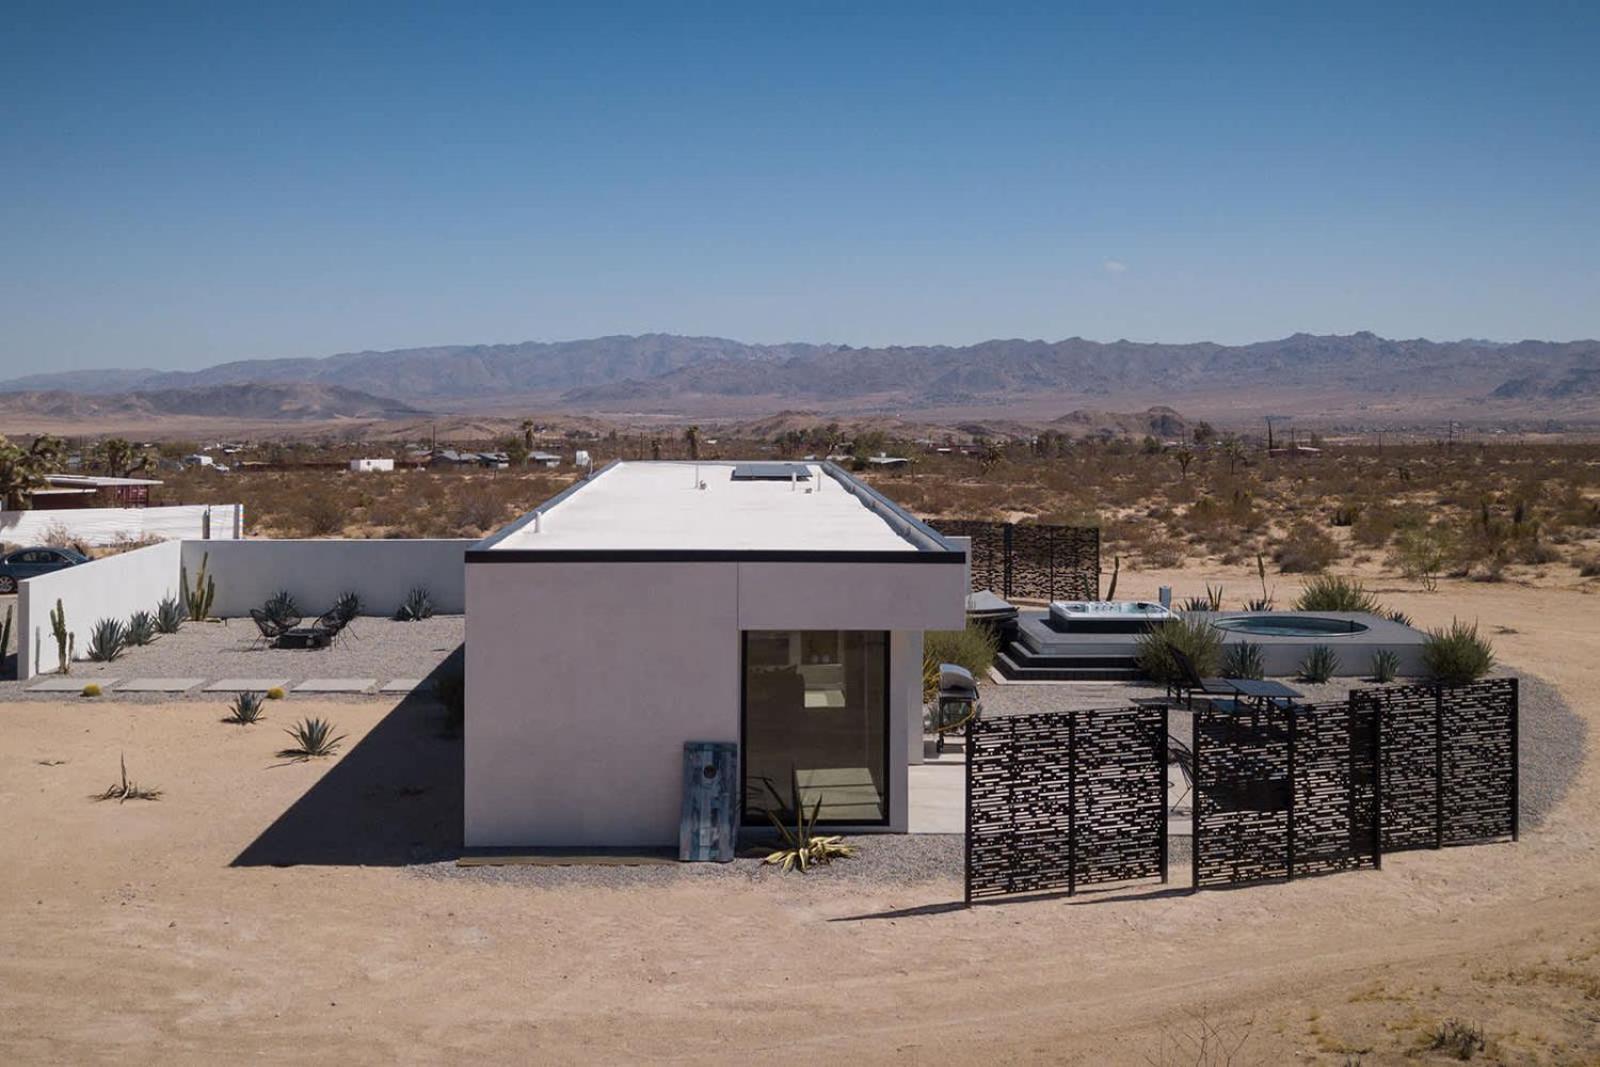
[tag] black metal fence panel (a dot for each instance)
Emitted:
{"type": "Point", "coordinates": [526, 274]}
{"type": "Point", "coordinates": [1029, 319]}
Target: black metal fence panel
{"type": "Point", "coordinates": [1449, 762]}
{"type": "Point", "coordinates": [1281, 793]}
{"type": "Point", "coordinates": [1031, 562]}
{"type": "Point", "coordinates": [1060, 800]}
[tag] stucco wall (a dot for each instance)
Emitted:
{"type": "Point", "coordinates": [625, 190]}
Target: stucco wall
{"type": "Point", "coordinates": [108, 526]}
{"type": "Point", "coordinates": [583, 682]}
{"type": "Point", "coordinates": [381, 572]}
{"type": "Point", "coordinates": [114, 587]}
{"type": "Point", "coordinates": [585, 679]}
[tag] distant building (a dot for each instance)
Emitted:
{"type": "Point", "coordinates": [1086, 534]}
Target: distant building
{"type": "Point", "coordinates": [544, 459]}
{"type": "Point", "coordinates": [372, 465]}
{"type": "Point", "coordinates": [92, 491]}
{"type": "Point", "coordinates": [199, 459]}
{"type": "Point", "coordinates": [882, 460]}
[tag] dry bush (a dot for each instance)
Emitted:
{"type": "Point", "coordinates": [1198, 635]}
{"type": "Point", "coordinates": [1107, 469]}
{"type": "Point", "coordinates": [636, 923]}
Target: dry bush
{"type": "Point", "coordinates": [1305, 549]}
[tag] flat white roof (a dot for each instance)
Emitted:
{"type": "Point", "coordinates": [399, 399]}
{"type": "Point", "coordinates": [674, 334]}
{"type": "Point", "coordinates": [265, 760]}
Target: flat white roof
{"type": "Point", "coordinates": [657, 506]}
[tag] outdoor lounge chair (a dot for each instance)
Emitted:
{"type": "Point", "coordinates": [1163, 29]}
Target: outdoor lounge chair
{"type": "Point", "coordinates": [1189, 681]}
{"type": "Point", "coordinates": [270, 629]}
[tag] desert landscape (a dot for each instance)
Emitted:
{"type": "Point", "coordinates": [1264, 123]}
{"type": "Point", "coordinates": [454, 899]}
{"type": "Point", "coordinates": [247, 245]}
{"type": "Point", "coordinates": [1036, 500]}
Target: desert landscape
{"type": "Point", "coordinates": [191, 924]}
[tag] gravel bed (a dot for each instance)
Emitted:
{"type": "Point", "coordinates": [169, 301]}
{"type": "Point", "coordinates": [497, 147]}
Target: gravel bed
{"type": "Point", "coordinates": [374, 648]}
{"type": "Point", "coordinates": [883, 860]}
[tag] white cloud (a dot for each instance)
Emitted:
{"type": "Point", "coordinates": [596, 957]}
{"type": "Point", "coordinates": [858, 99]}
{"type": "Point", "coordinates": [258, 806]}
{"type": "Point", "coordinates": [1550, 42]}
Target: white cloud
{"type": "Point", "coordinates": [1114, 266]}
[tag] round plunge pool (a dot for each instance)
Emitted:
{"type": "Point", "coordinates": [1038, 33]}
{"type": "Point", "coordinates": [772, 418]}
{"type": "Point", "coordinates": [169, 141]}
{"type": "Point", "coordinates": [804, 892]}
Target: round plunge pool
{"type": "Point", "coordinates": [1289, 625]}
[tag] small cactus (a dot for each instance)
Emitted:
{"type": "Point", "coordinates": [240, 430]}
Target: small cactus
{"type": "Point", "coordinates": [197, 599]}
{"type": "Point", "coordinates": [5, 634]}
{"type": "Point", "coordinates": [64, 640]}
{"type": "Point", "coordinates": [91, 690]}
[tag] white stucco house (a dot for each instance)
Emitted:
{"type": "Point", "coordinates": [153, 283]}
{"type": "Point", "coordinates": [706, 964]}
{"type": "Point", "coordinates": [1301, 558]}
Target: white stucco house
{"type": "Point", "coordinates": [777, 606]}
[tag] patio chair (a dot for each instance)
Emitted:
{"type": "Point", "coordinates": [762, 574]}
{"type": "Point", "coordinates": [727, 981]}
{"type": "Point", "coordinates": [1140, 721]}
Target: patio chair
{"type": "Point", "coordinates": [1189, 681]}
{"type": "Point", "coordinates": [331, 624]}
{"type": "Point", "coordinates": [270, 629]}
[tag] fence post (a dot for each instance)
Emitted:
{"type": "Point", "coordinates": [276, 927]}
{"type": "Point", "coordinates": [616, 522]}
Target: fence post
{"type": "Point", "coordinates": [1438, 766]}
{"type": "Point", "coordinates": [1194, 809]}
{"type": "Point", "coordinates": [1377, 786]}
{"type": "Point", "coordinates": [967, 857]}
{"type": "Point", "coordinates": [1516, 761]}
{"type": "Point", "coordinates": [1072, 800]}
{"type": "Point", "coordinates": [1161, 765]}
{"type": "Point", "coordinates": [1289, 842]}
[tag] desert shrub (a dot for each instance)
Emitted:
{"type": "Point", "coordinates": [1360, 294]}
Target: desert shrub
{"type": "Point", "coordinates": [1385, 665]}
{"type": "Point", "coordinates": [1305, 549]}
{"type": "Point", "coordinates": [418, 604]}
{"type": "Point", "coordinates": [480, 508]}
{"type": "Point", "coordinates": [1345, 515]}
{"type": "Point", "coordinates": [312, 737]}
{"type": "Point", "coordinates": [1333, 592]}
{"type": "Point", "coordinates": [1458, 1039]}
{"type": "Point", "coordinates": [1396, 615]}
{"type": "Point", "coordinates": [1243, 660]}
{"type": "Point", "coordinates": [107, 640]}
{"type": "Point", "coordinates": [1589, 566]}
{"type": "Point", "coordinates": [1422, 554]}
{"type": "Point", "coordinates": [245, 709]}
{"type": "Point", "coordinates": [973, 648]}
{"type": "Point", "coordinates": [319, 512]}
{"type": "Point", "coordinates": [1457, 654]}
{"type": "Point", "coordinates": [169, 615]}
{"type": "Point", "coordinates": [127, 789]}
{"type": "Point", "coordinates": [1196, 638]}
{"type": "Point", "coordinates": [1320, 664]}
{"type": "Point", "coordinates": [1162, 554]}
{"type": "Point", "coordinates": [141, 628]}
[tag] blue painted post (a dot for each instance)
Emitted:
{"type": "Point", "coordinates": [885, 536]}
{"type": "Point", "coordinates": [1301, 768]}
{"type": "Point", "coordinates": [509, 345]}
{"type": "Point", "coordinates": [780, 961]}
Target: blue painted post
{"type": "Point", "coordinates": [709, 821]}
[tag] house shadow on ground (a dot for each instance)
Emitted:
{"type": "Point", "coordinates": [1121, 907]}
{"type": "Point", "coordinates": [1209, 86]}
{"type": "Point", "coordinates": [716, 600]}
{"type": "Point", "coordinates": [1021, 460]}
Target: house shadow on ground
{"type": "Point", "coordinates": [394, 799]}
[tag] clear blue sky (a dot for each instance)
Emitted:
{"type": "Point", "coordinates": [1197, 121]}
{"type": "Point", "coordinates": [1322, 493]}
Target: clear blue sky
{"type": "Point", "coordinates": [183, 185]}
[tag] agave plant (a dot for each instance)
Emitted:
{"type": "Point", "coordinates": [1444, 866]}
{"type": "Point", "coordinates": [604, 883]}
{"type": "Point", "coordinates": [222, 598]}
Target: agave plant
{"type": "Point", "coordinates": [282, 608]}
{"type": "Point", "coordinates": [348, 606]}
{"type": "Point", "coordinates": [245, 709]}
{"type": "Point", "coordinates": [802, 847]}
{"type": "Point", "coordinates": [169, 615]}
{"type": "Point", "coordinates": [1385, 665]}
{"type": "Point", "coordinates": [1319, 665]}
{"type": "Point", "coordinates": [1212, 601]}
{"type": "Point", "coordinates": [312, 737]}
{"type": "Point", "coordinates": [107, 640]}
{"type": "Point", "coordinates": [1396, 615]}
{"type": "Point", "coordinates": [418, 604]}
{"type": "Point", "coordinates": [141, 628]}
{"type": "Point", "coordinates": [1243, 660]}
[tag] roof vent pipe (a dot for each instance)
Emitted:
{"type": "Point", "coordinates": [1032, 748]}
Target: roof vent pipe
{"type": "Point", "coordinates": [538, 517]}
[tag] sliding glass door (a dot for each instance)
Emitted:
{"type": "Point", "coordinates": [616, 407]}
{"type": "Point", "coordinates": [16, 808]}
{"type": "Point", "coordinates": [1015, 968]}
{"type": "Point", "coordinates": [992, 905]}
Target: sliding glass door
{"type": "Point", "coordinates": [816, 712]}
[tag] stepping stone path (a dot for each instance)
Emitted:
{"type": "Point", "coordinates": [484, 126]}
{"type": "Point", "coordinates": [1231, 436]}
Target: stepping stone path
{"type": "Point", "coordinates": [244, 685]}
{"type": "Point", "coordinates": [335, 685]}
{"type": "Point", "coordinates": [159, 685]}
{"type": "Point", "coordinates": [399, 685]}
{"type": "Point", "coordinates": [69, 684]}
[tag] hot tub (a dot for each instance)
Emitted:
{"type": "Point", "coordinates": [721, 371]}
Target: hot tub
{"type": "Point", "coordinates": [1108, 616]}
{"type": "Point", "coordinates": [1288, 624]}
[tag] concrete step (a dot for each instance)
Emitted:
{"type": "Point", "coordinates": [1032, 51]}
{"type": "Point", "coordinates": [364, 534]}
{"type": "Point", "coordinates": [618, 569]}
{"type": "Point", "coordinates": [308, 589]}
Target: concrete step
{"type": "Point", "coordinates": [1028, 671]}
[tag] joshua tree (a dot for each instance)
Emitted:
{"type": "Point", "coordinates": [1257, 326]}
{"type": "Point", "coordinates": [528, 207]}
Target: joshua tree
{"type": "Point", "coordinates": [119, 457]}
{"type": "Point", "coordinates": [1232, 451]}
{"type": "Point", "coordinates": [1184, 456]}
{"type": "Point", "coordinates": [22, 470]}
{"type": "Point", "coordinates": [691, 437]}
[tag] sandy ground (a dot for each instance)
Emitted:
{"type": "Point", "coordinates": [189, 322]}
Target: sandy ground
{"type": "Point", "coordinates": [170, 931]}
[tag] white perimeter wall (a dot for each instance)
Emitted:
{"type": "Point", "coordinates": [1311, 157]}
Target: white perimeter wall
{"type": "Point", "coordinates": [107, 526]}
{"type": "Point", "coordinates": [114, 587]}
{"type": "Point", "coordinates": [585, 679]}
{"type": "Point", "coordinates": [317, 571]}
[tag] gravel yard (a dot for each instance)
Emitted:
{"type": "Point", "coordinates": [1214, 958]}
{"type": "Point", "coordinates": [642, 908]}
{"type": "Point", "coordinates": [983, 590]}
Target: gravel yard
{"type": "Point", "coordinates": [372, 648]}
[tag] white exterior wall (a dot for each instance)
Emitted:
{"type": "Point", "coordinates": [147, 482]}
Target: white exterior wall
{"type": "Point", "coordinates": [381, 572]}
{"type": "Point", "coordinates": [585, 679]}
{"type": "Point", "coordinates": [114, 587]}
{"type": "Point", "coordinates": [367, 465]}
{"type": "Point", "coordinates": [106, 526]}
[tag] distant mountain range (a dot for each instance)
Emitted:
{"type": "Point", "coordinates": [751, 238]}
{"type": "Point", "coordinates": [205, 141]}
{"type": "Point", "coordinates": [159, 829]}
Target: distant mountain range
{"type": "Point", "coordinates": [292, 401]}
{"type": "Point", "coordinates": [670, 374]}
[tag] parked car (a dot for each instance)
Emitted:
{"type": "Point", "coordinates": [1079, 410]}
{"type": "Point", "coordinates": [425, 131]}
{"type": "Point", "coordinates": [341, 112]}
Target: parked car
{"type": "Point", "coordinates": [27, 563]}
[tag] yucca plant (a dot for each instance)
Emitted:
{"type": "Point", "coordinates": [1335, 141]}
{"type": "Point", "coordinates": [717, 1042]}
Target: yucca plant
{"type": "Point", "coordinates": [1320, 664]}
{"type": "Point", "coordinates": [245, 709]}
{"type": "Point", "coordinates": [802, 848]}
{"type": "Point", "coordinates": [1198, 639]}
{"type": "Point", "coordinates": [312, 737]}
{"type": "Point", "coordinates": [126, 790]}
{"type": "Point", "coordinates": [1385, 665]}
{"type": "Point", "coordinates": [169, 615]}
{"type": "Point", "coordinates": [141, 628]}
{"type": "Point", "coordinates": [1457, 654]}
{"type": "Point", "coordinates": [418, 604]}
{"type": "Point", "coordinates": [1243, 660]}
{"type": "Point", "coordinates": [107, 640]}
{"type": "Point", "coordinates": [1333, 592]}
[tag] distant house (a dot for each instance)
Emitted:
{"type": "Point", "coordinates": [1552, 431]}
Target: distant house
{"type": "Point", "coordinates": [92, 491]}
{"type": "Point", "coordinates": [883, 460]}
{"type": "Point", "coordinates": [372, 465]}
{"type": "Point", "coordinates": [544, 459]}
{"type": "Point", "coordinates": [199, 459]}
